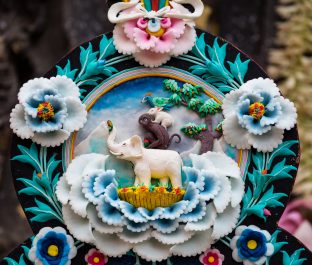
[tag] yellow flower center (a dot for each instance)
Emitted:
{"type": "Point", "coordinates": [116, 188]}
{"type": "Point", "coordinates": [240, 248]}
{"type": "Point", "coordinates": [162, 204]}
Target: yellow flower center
{"type": "Point", "coordinates": [157, 34]}
{"type": "Point", "coordinates": [96, 260]}
{"type": "Point", "coordinates": [53, 250]}
{"type": "Point", "coordinates": [252, 244]}
{"type": "Point", "coordinates": [211, 259]}
{"type": "Point", "coordinates": [45, 111]}
{"type": "Point", "coordinates": [256, 110]}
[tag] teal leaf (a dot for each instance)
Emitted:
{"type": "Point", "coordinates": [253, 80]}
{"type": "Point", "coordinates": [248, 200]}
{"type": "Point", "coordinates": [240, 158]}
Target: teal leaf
{"type": "Point", "coordinates": [10, 261]}
{"type": "Point", "coordinates": [107, 48]}
{"type": "Point", "coordinates": [282, 150]}
{"type": "Point", "coordinates": [87, 56]}
{"type": "Point", "coordinates": [21, 260]}
{"type": "Point", "coordinates": [294, 258]}
{"type": "Point", "coordinates": [199, 48]}
{"type": "Point", "coordinates": [51, 166]}
{"type": "Point", "coordinates": [66, 71]}
{"type": "Point", "coordinates": [109, 70]}
{"type": "Point", "coordinates": [29, 156]}
{"type": "Point", "coordinates": [30, 191]}
{"type": "Point", "coordinates": [258, 160]}
{"type": "Point", "coordinates": [239, 69]}
{"type": "Point", "coordinates": [217, 53]}
{"type": "Point", "coordinates": [271, 199]}
{"type": "Point", "coordinates": [42, 212]}
{"type": "Point", "coordinates": [257, 209]}
{"type": "Point", "coordinates": [26, 250]}
{"type": "Point", "coordinates": [198, 70]}
{"type": "Point", "coordinates": [224, 88]}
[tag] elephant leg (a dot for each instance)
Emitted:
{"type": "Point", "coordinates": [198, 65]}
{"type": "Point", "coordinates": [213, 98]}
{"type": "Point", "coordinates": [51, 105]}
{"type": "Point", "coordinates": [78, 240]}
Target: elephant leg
{"type": "Point", "coordinates": [143, 175]}
{"type": "Point", "coordinates": [176, 180]}
{"type": "Point", "coordinates": [136, 181]}
{"type": "Point", "coordinates": [164, 181]}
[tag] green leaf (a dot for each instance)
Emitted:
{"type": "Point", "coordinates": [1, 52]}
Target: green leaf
{"type": "Point", "coordinates": [294, 258]}
{"type": "Point", "coordinates": [88, 59]}
{"type": "Point", "coordinates": [29, 156]}
{"type": "Point", "coordinates": [30, 192]}
{"type": "Point", "coordinates": [107, 48]}
{"type": "Point", "coordinates": [239, 69]}
{"type": "Point", "coordinates": [66, 71]}
{"type": "Point", "coordinates": [282, 150]}
{"type": "Point", "coordinates": [271, 199]}
{"type": "Point", "coordinates": [258, 160]}
{"type": "Point", "coordinates": [10, 261]}
{"type": "Point", "coordinates": [257, 210]}
{"type": "Point", "coordinates": [51, 166]}
{"type": "Point", "coordinates": [217, 53]}
{"type": "Point", "coordinates": [198, 70]}
{"type": "Point", "coordinates": [199, 48]}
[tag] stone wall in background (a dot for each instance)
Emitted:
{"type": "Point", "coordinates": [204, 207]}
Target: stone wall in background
{"type": "Point", "coordinates": [35, 34]}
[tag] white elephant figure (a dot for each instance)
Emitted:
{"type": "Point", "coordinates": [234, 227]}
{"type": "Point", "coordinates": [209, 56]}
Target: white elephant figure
{"type": "Point", "coordinates": [159, 164]}
{"type": "Point", "coordinates": [161, 117]}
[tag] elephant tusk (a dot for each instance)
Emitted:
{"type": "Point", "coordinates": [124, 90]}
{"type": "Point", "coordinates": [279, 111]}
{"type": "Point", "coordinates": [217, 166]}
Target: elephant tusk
{"type": "Point", "coordinates": [115, 17]}
{"type": "Point", "coordinates": [115, 154]}
{"type": "Point", "coordinates": [196, 4]}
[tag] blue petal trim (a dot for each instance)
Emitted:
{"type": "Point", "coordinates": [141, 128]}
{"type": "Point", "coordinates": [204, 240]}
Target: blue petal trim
{"type": "Point", "coordinates": [193, 175]}
{"type": "Point", "coordinates": [165, 226]}
{"type": "Point", "coordinates": [173, 212]}
{"type": "Point", "coordinates": [131, 212]}
{"type": "Point", "coordinates": [109, 214]}
{"type": "Point", "coordinates": [197, 214]}
{"type": "Point", "coordinates": [151, 215]}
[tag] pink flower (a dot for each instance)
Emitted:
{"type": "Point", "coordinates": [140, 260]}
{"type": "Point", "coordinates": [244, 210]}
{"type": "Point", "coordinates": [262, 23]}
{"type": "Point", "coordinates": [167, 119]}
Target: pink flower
{"type": "Point", "coordinates": [295, 221]}
{"type": "Point", "coordinates": [154, 40]}
{"type": "Point", "coordinates": [211, 257]}
{"type": "Point", "coordinates": [95, 257]}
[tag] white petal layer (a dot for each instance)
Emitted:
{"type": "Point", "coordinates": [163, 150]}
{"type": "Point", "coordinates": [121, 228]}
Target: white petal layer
{"type": "Point", "coordinates": [32, 85]}
{"type": "Point", "coordinates": [229, 105]}
{"type": "Point", "coordinates": [200, 242]}
{"type": "Point", "coordinates": [289, 116]}
{"type": "Point", "coordinates": [65, 86]}
{"type": "Point", "coordinates": [151, 59]}
{"type": "Point", "coordinates": [224, 165]}
{"type": "Point", "coordinates": [97, 223]}
{"type": "Point", "coordinates": [77, 115]}
{"type": "Point", "coordinates": [62, 190]}
{"type": "Point", "coordinates": [225, 222]}
{"type": "Point", "coordinates": [234, 134]}
{"type": "Point", "coordinates": [185, 42]}
{"type": "Point", "coordinates": [206, 222]}
{"type": "Point", "coordinates": [268, 141]}
{"type": "Point", "coordinates": [111, 245]}
{"type": "Point", "coordinates": [133, 237]}
{"type": "Point", "coordinates": [77, 200]}
{"type": "Point", "coordinates": [79, 227]}
{"type": "Point", "coordinates": [18, 123]}
{"type": "Point", "coordinates": [224, 196]}
{"type": "Point", "coordinates": [51, 139]}
{"type": "Point", "coordinates": [177, 237]}
{"type": "Point", "coordinates": [237, 191]}
{"type": "Point", "coordinates": [152, 250]}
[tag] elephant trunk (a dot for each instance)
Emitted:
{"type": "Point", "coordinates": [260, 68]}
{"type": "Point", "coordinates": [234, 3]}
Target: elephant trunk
{"type": "Point", "coordinates": [112, 146]}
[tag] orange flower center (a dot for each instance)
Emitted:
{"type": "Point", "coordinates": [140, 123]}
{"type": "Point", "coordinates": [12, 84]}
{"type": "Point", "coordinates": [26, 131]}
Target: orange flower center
{"type": "Point", "coordinates": [96, 259]}
{"type": "Point", "coordinates": [256, 110]}
{"type": "Point", "coordinates": [45, 111]}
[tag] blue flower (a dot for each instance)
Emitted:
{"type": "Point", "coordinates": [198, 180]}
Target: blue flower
{"type": "Point", "coordinates": [49, 110]}
{"type": "Point", "coordinates": [52, 246]}
{"type": "Point", "coordinates": [251, 245]}
{"type": "Point", "coordinates": [256, 115]}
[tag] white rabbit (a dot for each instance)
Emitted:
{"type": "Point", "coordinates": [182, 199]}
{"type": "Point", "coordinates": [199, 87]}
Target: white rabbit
{"type": "Point", "coordinates": [161, 117]}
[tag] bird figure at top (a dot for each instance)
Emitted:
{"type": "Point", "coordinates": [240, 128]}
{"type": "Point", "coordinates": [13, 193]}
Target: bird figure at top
{"type": "Point", "coordinates": [159, 102]}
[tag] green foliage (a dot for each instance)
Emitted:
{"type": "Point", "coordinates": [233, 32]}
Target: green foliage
{"type": "Point", "coordinates": [22, 258]}
{"type": "Point", "coordinates": [294, 259]}
{"type": "Point", "coordinates": [191, 129]}
{"type": "Point", "coordinates": [210, 107]}
{"type": "Point", "coordinates": [209, 63]}
{"type": "Point", "coordinates": [261, 195]}
{"type": "Point", "coordinates": [92, 63]}
{"type": "Point", "coordinates": [42, 184]}
{"type": "Point", "coordinates": [277, 245]}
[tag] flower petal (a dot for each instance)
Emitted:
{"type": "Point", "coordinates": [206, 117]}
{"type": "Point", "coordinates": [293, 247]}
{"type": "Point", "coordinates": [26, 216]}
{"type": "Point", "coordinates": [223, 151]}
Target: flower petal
{"type": "Point", "coordinates": [136, 227]}
{"type": "Point", "coordinates": [196, 245]}
{"type": "Point", "coordinates": [268, 141]}
{"type": "Point", "coordinates": [196, 214]}
{"type": "Point", "coordinates": [65, 86]}
{"type": "Point", "coordinates": [237, 191]}
{"type": "Point", "coordinates": [18, 123]}
{"type": "Point", "coordinates": [270, 249]}
{"type": "Point", "coordinates": [254, 126]}
{"type": "Point", "coordinates": [103, 180]}
{"type": "Point", "coordinates": [32, 85]}
{"type": "Point", "coordinates": [212, 185]}
{"type": "Point", "coordinates": [109, 214]}
{"type": "Point", "coordinates": [175, 210]}
{"type": "Point", "coordinates": [79, 227]}
{"type": "Point", "coordinates": [51, 139]}
{"type": "Point", "coordinates": [151, 215]}
{"type": "Point", "coordinates": [134, 237]}
{"type": "Point", "coordinates": [229, 105]}
{"type": "Point", "coordinates": [262, 85]}
{"type": "Point", "coordinates": [165, 225]}
{"type": "Point", "coordinates": [177, 237]}
{"type": "Point", "coordinates": [98, 224]}
{"type": "Point", "coordinates": [151, 59]}
{"type": "Point", "coordinates": [122, 43]}
{"type": "Point", "coordinates": [200, 162]}
{"type": "Point", "coordinates": [206, 222]}
{"type": "Point", "coordinates": [185, 42]}
{"type": "Point", "coordinates": [234, 133]}
{"type": "Point", "coordinates": [289, 114]}
{"type": "Point", "coordinates": [143, 40]}
{"type": "Point", "coordinates": [193, 175]}
{"type": "Point", "coordinates": [225, 222]}
{"type": "Point", "coordinates": [77, 115]}
{"type": "Point", "coordinates": [62, 190]}
{"type": "Point", "coordinates": [152, 250]}
{"type": "Point", "coordinates": [224, 196]}
{"type": "Point", "coordinates": [77, 199]}
{"type": "Point", "coordinates": [111, 245]}
{"type": "Point", "coordinates": [166, 43]}
{"type": "Point", "coordinates": [131, 213]}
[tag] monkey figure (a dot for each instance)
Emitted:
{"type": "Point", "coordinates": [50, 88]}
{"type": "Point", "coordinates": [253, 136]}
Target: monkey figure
{"type": "Point", "coordinates": [161, 117]}
{"type": "Point", "coordinates": [157, 134]}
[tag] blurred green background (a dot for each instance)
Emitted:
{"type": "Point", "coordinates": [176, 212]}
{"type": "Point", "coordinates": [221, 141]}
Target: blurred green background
{"type": "Point", "coordinates": [35, 34]}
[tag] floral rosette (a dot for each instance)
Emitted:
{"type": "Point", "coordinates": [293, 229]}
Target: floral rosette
{"type": "Point", "coordinates": [154, 36]}
{"type": "Point", "coordinates": [94, 213]}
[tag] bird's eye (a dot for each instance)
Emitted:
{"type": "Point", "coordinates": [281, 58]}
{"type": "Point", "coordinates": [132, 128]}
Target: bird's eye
{"type": "Point", "coordinates": [124, 144]}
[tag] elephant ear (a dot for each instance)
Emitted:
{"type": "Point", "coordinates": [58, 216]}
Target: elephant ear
{"type": "Point", "coordinates": [137, 145]}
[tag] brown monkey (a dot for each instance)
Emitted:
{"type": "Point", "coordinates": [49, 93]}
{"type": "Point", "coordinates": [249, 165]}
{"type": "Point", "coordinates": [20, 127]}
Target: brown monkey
{"type": "Point", "coordinates": [157, 134]}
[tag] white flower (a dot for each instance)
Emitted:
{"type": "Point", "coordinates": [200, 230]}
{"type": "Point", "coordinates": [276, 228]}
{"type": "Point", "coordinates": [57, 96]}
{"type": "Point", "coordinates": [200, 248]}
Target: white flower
{"type": "Point", "coordinates": [94, 213]}
{"type": "Point", "coordinates": [256, 115]}
{"type": "Point", "coordinates": [251, 245]}
{"type": "Point", "coordinates": [49, 110]}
